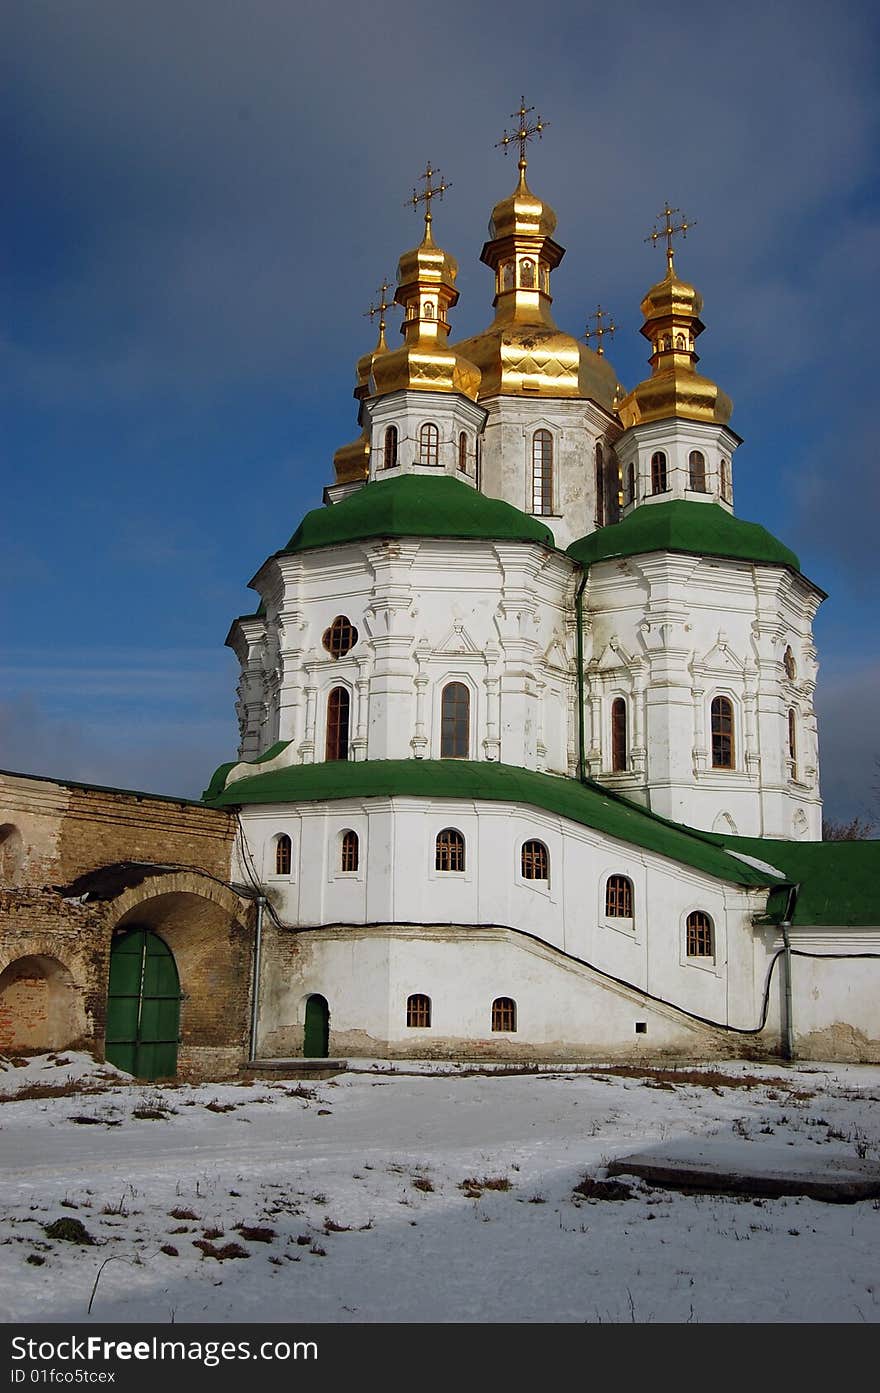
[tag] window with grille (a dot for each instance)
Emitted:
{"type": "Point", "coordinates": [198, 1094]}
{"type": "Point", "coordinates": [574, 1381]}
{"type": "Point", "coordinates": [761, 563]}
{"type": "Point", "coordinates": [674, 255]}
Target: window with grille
{"type": "Point", "coordinates": [350, 851]}
{"type": "Point", "coordinates": [619, 897]}
{"type": "Point", "coordinates": [338, 711]}
{"type": "Point", "coordinates": [697, 470]}
{"type": "Point", "coordinates": [462, 452]}
{"type": "Point", "coordinates": [390, 455]}
{"type": "Point", "coordinates": [722, 733]}
{"type": "Point", "coordinates": [535, 861]}
{"type": "Point", "coordinates": [618, 734]}
{"type": "Point", "coordinates": [418, 1011]}
{"type": "Point", "coordinates": [340, 638]}
{"type": "Point", "coordinates": [429, 444]}
{"type": "Point", "coordinates": [658, 472]}
{"type": "Point", "coordinates": [455, 720]}
{"type": "Point", "coordinates": [449, 851]}
{"type": "Point", "coordinates": [792, 743]}
{"type": "Point", "coordinates": [283, 849]}
{"type": "Point", "coordinates": [503, 1013]}
{"type": "Point", "coordinates": [542, 472]}
{"type": "Point", "coordinates": [699, 935]}
{"type": "Point", "coordinates": [725, 481]}
{"type": "Point", "coordinates": [600, 487]}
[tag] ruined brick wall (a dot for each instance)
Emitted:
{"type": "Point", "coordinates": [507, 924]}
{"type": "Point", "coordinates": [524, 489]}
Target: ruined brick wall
{"type": "Point", "coordinates": [65, 830]}
{"type": "Point", "coordinates": [54, 952]}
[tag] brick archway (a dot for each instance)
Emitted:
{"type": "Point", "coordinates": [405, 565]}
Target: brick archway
{"type": "Point", "coordinates": [40, 1006]}
{"type": "Point", "coordinates": [205, 926]}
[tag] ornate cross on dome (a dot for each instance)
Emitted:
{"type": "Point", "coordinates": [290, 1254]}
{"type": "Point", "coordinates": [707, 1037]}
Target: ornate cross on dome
{"type": "Point", "coordinates": [524, 131]}
{"type": "Point", "coordinates": [427, 193]}
{"type": "Point", "coordinates": [601, 329]}
{"type": "Point", "coordinates": [669, 230]}
{"type": "Point", "coordinates": [382, 306]}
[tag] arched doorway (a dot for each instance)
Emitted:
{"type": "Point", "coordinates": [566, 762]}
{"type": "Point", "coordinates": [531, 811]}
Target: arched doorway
{"type": "Point", "coordinates": [40, 1008]}
{"type": "Point", "coordinates": [316, 1037]}
{"type": "Point", "coordinates": [143, 1005]}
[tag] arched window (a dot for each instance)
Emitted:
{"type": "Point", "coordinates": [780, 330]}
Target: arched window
{"type": "Point", "coordinates": [619, 897]}
{"type": "Point", "coordinates": [429, 444]}
{"type": "Point", "coordinates": [350, 856]}
{"type": "Point", "coordinates": [389, 459]}
{"type": "Point", "coordinates": [699, 935]}
{"type": "Point", "coordinates": [508, 275]}
{"type": "Point", "coordinates": [503, 1013]}
{"type": "Point", "coordinates": [338, 711]}
{"type": "Point", "coordinates": [455, 721]}
{"type": "Point", "coordinates": [462, 452]}
{"type": "Point", "coordinates": [600, 487]}
{"type": "Point", "coordinates": [630, 483]}
{"type": "Point", "coordinates": [542, 472]}
{"type": "Point", "coordinates": [680, 341]}
{"type": "Point", "coordinates": [792, 743]}
{"type": "Point", "coordinates": [618, 734]}
{"type": "Point", "coordinates": [340, 638]}
{"type": "Point", "coordinates": [535, 861]}
{"type": "Point", "coordinates": [697, 470]}
{"type": "Point", "coordinates": [789, 664]}
{"type": "Point", "coordinates": [527, 274]}
{"type": "Point", "coordinates": [418, 1011]}
{"type": "Point", "coordinates": [722, 733]}
{"type": "Point", "coordinates": [429, 309]}
{"type": "Point", "coordinates": [283, 849]}
{"type": "Point", "coordinates": [449, 850]}
{"type": "Point", "coordinates": [725, 480]}
{"type": "Point", "coordinates": [658, 472]}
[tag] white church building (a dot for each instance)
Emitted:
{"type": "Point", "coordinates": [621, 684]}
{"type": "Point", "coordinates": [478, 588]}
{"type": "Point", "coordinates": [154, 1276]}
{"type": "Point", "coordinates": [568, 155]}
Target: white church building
{"type": "Point", "coordinates": [528, 763]}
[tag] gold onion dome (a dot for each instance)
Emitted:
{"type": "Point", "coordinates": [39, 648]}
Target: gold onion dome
{"type": "Point", "coordinates": [671, 311]}
{"type": "Point", "coordinates": [524, 352]}
{"type": "Point", "coordinates": [426, 291]}
{"type": "Point", "coordinates": [351, 461]}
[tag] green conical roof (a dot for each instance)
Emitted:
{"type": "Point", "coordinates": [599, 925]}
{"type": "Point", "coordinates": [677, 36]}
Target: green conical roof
{"type": "Point", "coordinates": [704, 529]}
{"type": "Point", "coordinates": [417, 505]}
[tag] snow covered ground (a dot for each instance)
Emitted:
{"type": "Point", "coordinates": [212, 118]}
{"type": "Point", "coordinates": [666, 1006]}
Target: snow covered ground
{"type": "Point", "coordinates": [430, 1195]}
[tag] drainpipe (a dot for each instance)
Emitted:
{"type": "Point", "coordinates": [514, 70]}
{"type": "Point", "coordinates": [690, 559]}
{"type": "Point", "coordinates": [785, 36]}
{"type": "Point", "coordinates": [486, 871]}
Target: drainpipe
{"type": "Point", "coordinates": [579, 612]}
{"type": "Point", "coordinates": [255, 995]}
{"type": "Point", "coordinates": [788, 1037]}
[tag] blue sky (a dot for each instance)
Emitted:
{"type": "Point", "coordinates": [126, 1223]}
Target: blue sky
{"type": "Point", "coordinates": [200, 198]}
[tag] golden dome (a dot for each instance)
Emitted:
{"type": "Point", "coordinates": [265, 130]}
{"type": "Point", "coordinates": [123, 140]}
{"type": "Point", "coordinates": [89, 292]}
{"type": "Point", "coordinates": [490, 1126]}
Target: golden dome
{"type": "Point", "coordinates": [522, 214]}
{"type": "Point", "coordinates": [426, 290]}
{"type": "Point", "coordinates": [351, 462]}
{"type": "Point", "coordinates": [524, 352]}
{"type": "Point", "coordinates": [671, 311]}
{"type": "Point", "coordinates": [365, 363]}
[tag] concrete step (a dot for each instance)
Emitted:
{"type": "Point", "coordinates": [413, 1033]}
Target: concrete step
{"type": "Point", "coordinates": [294, 1068]}
{"type": "Point", "coordinates": [734, 1167]}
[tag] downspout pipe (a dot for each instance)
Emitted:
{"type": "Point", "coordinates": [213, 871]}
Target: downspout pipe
{"type": "Point", "coordinates": [788, 1049]}
{"type": "Point", "coordinates": [579, 613]}
{"type": "Point", "coordinates": [255, 994]}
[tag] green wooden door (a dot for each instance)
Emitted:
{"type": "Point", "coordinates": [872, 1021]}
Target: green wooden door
{"type": "Point", "coordinates": [143, 1006]}
{"type": "Point", "coordinates": [316, 1039]}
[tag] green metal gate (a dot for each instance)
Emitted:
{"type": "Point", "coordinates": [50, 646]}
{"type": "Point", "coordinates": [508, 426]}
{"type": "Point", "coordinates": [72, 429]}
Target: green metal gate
{"type": "Point", "coordinates": [316, 1038]}
{"type": "Point", "coordinates": [143, 1005]}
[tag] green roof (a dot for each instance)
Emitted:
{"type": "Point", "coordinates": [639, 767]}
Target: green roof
{"type": "Point", "coordinates": [703, 529]}
{"type": "Point", "coordinates": [840, 881]}
{"type": "Point", "coordinates": [589, 804]}
{"type": "Point", "coordinates": [416, 505]}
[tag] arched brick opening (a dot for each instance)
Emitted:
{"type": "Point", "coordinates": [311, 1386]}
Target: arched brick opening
{"type": "Point", "coordinates": [11, 853]}
{"type": "Point", "coordinates": [40, 1007]}
{"type": "Point", "coordinates": [212, 948]}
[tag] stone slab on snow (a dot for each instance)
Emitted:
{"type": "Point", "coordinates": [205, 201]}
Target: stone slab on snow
{"type": "Point", "coordinates": [743, 1167]}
